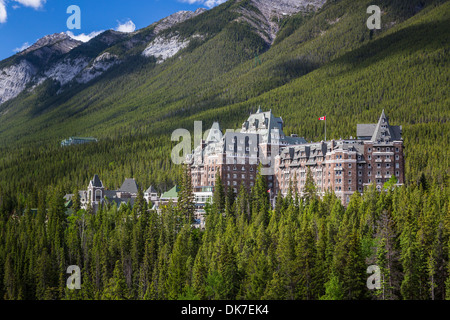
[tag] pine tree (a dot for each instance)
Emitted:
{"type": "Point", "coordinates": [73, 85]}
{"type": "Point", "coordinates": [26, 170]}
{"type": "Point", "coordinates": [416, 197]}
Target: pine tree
{"type": "Point", "coordinates": [116, 288]}
{"type": "Point", "coordinates": [186, 205]}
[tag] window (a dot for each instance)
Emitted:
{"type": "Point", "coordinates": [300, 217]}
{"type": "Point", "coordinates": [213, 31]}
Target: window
{"type": "Point", "coordinates": [396, 149]}
{"type": "Point", "coordinates": [369, 150]}
{"type": "Point", "coordinates": [397, 165]}
{"type": "Point", "coordinates": [388, 149]}
{"type": "Point", "coordinates": [397, 157]}
{"type": "Point", "coordinates": [369, 157]}
{"type": "Point", "coordinates": [349, 165]}
{"type": "Point", "coordinates": [378, 165]}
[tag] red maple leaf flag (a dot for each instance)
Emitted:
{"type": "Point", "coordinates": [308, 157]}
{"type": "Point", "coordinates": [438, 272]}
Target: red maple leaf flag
{"type": "Point", "coordinates": [322, 118]}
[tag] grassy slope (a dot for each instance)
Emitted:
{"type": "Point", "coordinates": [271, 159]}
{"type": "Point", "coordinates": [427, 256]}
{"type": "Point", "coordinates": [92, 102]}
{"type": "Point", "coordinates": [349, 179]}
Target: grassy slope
{"type": "Point", "coordinates": [327, 66]}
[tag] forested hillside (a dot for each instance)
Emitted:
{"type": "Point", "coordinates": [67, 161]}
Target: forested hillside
{"type": "Point", "coordinates": [323, 62]}
{"type": "Point", "coordinates": [306, 249]}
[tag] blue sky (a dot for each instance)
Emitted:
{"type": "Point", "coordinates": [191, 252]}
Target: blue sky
{"type": "Point", "coordinates": [22, 22]}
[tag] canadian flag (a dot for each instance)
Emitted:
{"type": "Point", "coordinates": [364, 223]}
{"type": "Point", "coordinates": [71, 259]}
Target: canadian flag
{"type": "Point", "coordinates": [322, 118]}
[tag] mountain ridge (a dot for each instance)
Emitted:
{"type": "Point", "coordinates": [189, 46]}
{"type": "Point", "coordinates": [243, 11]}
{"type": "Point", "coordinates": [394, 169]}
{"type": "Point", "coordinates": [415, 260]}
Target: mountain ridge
{"type": "Point", "coordinates": [162, 46]}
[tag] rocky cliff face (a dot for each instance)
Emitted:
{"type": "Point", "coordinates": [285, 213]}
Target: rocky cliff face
{"type": "Point", "coordinates": [164, 47]}
{"type": "Point", "coordinates": [176, 18]}
{"type": "Point", "coordinates": [14, 79]}
{"type": "Point", "coordinates": [270, 12]}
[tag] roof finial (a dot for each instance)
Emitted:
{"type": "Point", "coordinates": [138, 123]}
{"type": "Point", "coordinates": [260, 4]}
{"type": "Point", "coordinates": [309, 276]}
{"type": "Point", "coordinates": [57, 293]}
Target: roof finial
{"type": "Point", "coordinates": [259, 110]}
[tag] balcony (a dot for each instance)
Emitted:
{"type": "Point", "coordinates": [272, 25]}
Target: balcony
{"type": "Point", "coordinates": [378, 176]}
{"type": "Point", "coordinates": [379, 160]}
{"type": "Point", "coordinates": [378, 153]}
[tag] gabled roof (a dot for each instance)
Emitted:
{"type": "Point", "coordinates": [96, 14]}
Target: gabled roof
{"type": "Point", "coordinates": [365, 130]}
{"type": "Point", "coordinates": [215, 134]}
{"type": "Point", "coordinates": [130, 186]}
{"type": "Point", "coordinates": [96, 182]}
{"type": "Point", "coordinates": [171, 194]}
{"type": "Point", "coordinates": [151, 190]}
{"type": "Point", "coordinates": [263, 123]}
{"type": "Point", "coordinates": [379, 132]}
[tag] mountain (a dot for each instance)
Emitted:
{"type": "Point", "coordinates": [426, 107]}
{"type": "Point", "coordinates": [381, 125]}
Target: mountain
{"type": "Point", "coordinates": [17, 72]}
{"type": "Point", "coordinates": [53, 57]}
{"type": "Point", "coordinates": [302, 59]}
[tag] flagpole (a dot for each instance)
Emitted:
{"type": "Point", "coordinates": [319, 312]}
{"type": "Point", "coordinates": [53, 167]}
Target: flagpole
{"type": "Point", "coordinates": [325, 127]}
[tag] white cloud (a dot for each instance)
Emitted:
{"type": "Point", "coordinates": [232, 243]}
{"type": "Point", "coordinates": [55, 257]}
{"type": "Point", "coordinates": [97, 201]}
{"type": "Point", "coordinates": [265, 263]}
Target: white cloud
{"type": "Point", "coordinates": [26, 45]}
{"type": "Point", "coordinates": [3, 14]}
{"type": "Point", "coordinates": [208, 3]}
{"type": "Point", "coordinates": [36, 4]}
{"type": "Point", "coordinates": [83, 37]}
{"type": "Point", "coordinates": [128, 26]}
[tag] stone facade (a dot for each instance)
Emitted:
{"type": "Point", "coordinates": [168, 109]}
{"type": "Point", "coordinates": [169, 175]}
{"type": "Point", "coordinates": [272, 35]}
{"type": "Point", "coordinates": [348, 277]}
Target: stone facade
{"type": "Point", "coordinates": [343, 166]}
{"type": "Point", "coordinates": [235, 156]}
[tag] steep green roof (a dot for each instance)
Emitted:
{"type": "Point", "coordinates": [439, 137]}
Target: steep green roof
{"type": "Point", "coordinates": [172, 193]}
